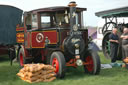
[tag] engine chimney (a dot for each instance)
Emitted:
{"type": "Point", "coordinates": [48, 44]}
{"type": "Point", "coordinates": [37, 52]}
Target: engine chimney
{"type": "Point", "coordinates": [72, 5]}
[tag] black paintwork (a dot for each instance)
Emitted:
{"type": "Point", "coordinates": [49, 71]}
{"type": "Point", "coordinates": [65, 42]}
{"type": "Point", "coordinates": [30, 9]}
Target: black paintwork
{"type": "Point", "coordinates": [9, 17]}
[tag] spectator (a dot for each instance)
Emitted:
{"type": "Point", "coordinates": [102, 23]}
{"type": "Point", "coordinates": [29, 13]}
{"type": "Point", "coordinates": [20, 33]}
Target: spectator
{"type": "Point", "coordinates": [124, 37]}
{"type": "Point", "coordinates": [113, 38]}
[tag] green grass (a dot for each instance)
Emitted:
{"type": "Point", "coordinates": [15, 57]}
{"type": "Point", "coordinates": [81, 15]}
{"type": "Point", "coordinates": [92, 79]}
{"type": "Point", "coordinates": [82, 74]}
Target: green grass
{"type": "Point", "coordinates": [74, 76]}
{"type": "Point", "coordinates": [103, 59]}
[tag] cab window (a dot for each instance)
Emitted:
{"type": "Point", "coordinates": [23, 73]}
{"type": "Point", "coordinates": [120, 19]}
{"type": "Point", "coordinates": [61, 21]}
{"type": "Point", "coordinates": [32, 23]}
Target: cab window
{"type": "Point", "coordinates": [45, 21]}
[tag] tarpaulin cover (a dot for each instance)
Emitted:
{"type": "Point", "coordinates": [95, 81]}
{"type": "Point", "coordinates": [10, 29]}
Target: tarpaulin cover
{"type": "Point", "coordinates": [9, 17]}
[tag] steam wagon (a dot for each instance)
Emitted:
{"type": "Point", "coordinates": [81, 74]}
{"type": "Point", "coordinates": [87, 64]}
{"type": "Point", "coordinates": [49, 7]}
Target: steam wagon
{"type": "Point", "coordinates": [53, 35]}
{"type": "Point", "coordinates": [9, 17]}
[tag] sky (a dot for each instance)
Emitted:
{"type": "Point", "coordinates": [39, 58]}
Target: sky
{"type": "Point", "coordinates": [89, 16]}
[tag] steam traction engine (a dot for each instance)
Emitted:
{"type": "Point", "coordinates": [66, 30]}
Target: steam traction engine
{"type": "Point", "coordinates": [55, 36]}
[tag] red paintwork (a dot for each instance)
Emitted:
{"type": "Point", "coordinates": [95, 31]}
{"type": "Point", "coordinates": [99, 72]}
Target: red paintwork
{"type": "Point", "coordinates": [21, 59]}
{"type": "Point", "coordinates": [90, 64]}
{"type": "Point", "coordinates": [72, 63]}
{"type": "Point", "coordinates": [20, 37]}
{"type": "Point", "coordinates": [52, 36]}
{"type": "Point", "coordinates": [20, 29]}
{"type": "Point", "coordinates": [34, 43]}
{"type": "Point", "coordinates": [28, 40]}
{"type": "Point", "coordinates": [55, 63]}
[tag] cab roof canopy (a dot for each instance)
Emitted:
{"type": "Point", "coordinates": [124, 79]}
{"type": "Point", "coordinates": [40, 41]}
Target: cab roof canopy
{"type": "Point", "coordinates": [118, 12]}
{"type": "Point", "coordinates": [54, 9]}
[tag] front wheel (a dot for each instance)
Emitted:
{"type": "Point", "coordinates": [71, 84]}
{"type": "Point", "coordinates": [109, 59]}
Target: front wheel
{"type": "Point", "coordinates": [92, 63]}
{"type": "Point", "coordinates": [57, 60]}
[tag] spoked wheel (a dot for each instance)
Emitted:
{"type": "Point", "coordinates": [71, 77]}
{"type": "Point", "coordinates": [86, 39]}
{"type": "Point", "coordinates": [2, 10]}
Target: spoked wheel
{"type": "Point", "coordinates": [57, 60]}
{"type": "Point", "coordinates": [92, 63]}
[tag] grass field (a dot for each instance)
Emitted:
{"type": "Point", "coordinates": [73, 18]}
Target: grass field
{"type": "Point", "coordinates": [113, 76]}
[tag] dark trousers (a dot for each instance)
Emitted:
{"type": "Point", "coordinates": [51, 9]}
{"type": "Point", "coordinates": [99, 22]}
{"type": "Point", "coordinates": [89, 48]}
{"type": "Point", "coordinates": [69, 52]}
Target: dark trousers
{"type": "Point", "coordinates": [113, 53]}
{"type": "Point", "coordinates": [125, 51]}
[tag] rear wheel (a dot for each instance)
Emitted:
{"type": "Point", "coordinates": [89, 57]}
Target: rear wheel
{"type": "Point", "coordinates": [93, 63]}
{"type": "Point", "coordinates": [57, 60]}
{"type": "Point", "coordinates": [21, 58]}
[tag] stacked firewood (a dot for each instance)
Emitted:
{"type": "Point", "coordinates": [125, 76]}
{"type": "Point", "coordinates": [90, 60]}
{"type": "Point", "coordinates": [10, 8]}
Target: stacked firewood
{"type": "Point", "coordinates": [37, 73]}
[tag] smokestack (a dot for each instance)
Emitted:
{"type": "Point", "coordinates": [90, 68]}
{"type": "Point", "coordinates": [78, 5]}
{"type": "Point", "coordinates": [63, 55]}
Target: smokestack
{"type": "Point", "coordinates": [72, 5]}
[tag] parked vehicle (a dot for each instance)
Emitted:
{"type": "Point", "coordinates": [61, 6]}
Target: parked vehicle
{"type": "Point", "coordinates": [55, 36]}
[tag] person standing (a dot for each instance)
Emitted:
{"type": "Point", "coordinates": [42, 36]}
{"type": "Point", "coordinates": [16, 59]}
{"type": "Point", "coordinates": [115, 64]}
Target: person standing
{"type": "Point", "coordinates": [114, 41]}
{"type": "Point", "coordinates": [124, 37]}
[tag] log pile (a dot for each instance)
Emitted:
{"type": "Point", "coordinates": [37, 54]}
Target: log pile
{"type": "Point", "coordinates": [37, 73]}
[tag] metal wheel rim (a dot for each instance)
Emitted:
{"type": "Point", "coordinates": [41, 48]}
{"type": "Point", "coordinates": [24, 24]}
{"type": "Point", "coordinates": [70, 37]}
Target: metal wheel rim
{"type": "Point", "coordinates": [55, 64]}
{"type": "Point", "coordinates": [90, 64]}
{"type": "Point", "coordinates": [21, 59]}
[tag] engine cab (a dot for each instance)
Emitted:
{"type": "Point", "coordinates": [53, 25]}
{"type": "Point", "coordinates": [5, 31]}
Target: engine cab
{"type": "Point", "coordinates": [55, 27]}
